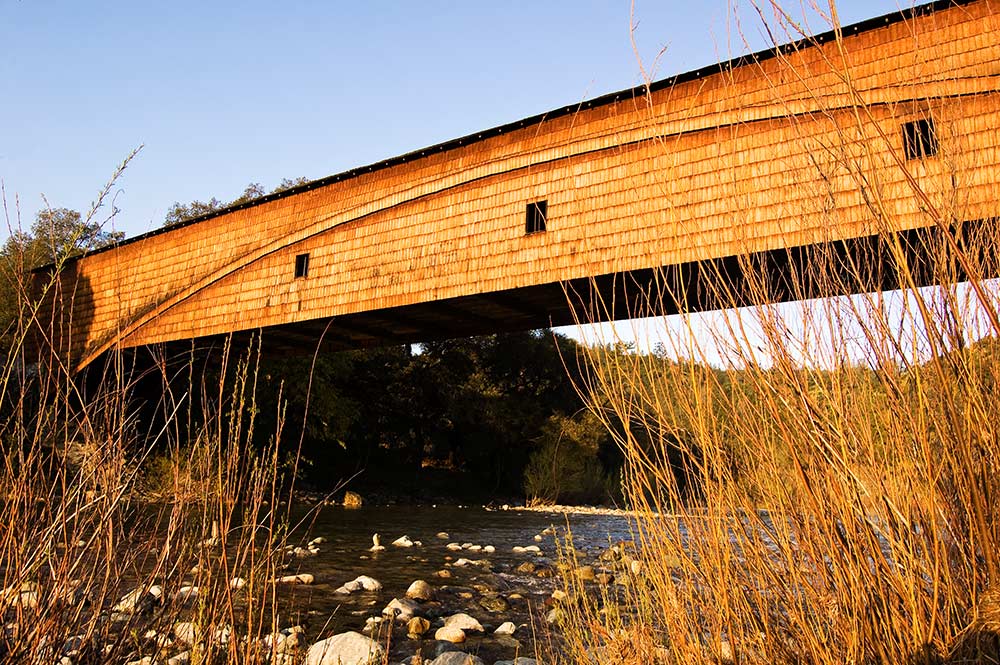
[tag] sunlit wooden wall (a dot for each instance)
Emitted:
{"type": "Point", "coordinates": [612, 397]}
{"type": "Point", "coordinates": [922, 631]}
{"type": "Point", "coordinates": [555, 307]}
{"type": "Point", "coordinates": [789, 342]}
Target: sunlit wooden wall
{"type": "Point", "coordinates": [802, 147]}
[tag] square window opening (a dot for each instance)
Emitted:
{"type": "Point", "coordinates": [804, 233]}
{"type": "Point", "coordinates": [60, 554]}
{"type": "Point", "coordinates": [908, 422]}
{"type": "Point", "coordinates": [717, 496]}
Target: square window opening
{"type": "Point", "coordinates": [920, 139]}
{"type": "Point", "coordinates": [535, 216]}
{"type": "Point", "coordinates": [301, 265]}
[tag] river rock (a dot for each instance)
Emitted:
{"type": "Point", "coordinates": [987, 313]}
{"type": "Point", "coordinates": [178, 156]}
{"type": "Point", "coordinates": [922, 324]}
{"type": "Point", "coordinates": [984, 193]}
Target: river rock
{"type": "Point", "coordinates": [463, 621]}
{"type": "Point", "coordinates": [506, 628]}
{"type": "Point", "coordinates": [301, 578]}
{"type": "Point", "coordinates": [520, 660]}
{"type": "Point", "coordinates": [452, 634]}
{"type": "Point", "coordinates": [183, 658]}
{"type": "Point", "coordinates": [444, 572]}
{"type": "Point", "coordinates": [403, 541]}
{"type": "Point", "coordinates": [585, 573]}
{"type": "Point", "coordinates": [525, 568]}
{"type": "Point", "coordinates": [454, 547]}
{"type": "Point", "coordinates": [352, 500]}
{"type": "Point", "coordinates": [186, 594]}
{"type": "Point", "coordinates": [139, 600]}
{"type": "Point", "coordinates": [416, 627]}
{"type": "Point", "coordinates": [420, 590]}
{"type": "Point", "coordinates": [186, 632]}
{"type": "Point", "coordinates": [237, 583]}
{"type": "Point", "coordinates": [401, 608]}
{"type": "Point", "coordinates": [494, 603]}
{"type": "Point", "coordinates": [349, 648]}
{"type": "Point", "coordinates": [359, 583]}
{"type": "Point", "coordinates": [286, 640]}
{"type": "Point", "coordinates": [457, 658]}
{"type": "Point", "coordinates": [443, 535]}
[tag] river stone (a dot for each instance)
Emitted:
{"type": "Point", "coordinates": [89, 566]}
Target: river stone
{"type": "Point", "coordinates": [368, 583]}
{"type": "Point", "coordinates": [457, 658]}
{"type": "Point", "coordinates": [139, 600]}
{"type": "Point", "coordinates": [349, 648]}
{"type": "Point", "coordinates": [301, 578]}
{"type": "Point", "coordinates": [525, 568]}
{"type": "Point", "coordinates": [494, 603]}
{"type": "Point", "coordinates": [443, 535]}
{"type": "Point", "coordinates": [352, 500]}
{"type": "Point", "coordinates": [443, 573]}
{"type": "Point", "coordinates": [420, 590]}
{"type": "Point", "coordinates": [463, 621]}
{"type": "Point", "coordinates": [585, 573]}
{"type": "Point", "coordinates": [401, 608]}
{"type": "Point", "coordinates": [520, 660]}
{"type": "Point", "coordinates": [451, 634]}
{"type": "Point", "coordinates": [403, 541]}
{"type": "Point", "coordinates": [416, 627]}
{"type": "Point", "coordinates": [183, 658]}
{"type": "Point", "coordinates": [506, 628]}
{"type": "Point", "coordinates": [186, 632]}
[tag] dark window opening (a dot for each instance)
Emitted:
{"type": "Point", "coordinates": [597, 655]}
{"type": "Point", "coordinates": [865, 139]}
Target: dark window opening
{"type": "Point", "coordinates": [920, 139]}
{"type": "Point", "coordinates": [534, 219]}
{"type": "Point", "coordinates": [301, 265]}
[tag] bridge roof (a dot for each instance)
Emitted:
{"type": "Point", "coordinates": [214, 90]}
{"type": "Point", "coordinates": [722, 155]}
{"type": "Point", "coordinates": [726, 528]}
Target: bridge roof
{"type": "Point", "coordinates": [609, 98]}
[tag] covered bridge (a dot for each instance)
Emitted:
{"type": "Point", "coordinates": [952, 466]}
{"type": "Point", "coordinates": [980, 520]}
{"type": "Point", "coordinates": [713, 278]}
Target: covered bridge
{"type": "Point", "coordinates": [883, 127]}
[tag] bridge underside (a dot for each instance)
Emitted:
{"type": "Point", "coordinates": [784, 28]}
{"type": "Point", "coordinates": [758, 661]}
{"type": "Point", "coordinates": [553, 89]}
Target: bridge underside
{"type": "Point", "coordinates": [873, 263]}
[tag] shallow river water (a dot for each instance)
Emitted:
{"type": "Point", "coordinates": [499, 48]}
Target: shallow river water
{"type": "Point", "coordinates": [345, 555]}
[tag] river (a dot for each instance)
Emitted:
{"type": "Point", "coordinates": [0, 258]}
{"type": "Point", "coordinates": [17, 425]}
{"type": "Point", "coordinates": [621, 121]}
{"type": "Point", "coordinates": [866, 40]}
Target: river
{"type": "Point", "coordinates": [345, 554]}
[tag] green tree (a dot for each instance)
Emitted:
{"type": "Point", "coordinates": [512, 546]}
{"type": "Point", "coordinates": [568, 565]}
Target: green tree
{"type": "Point", "coordinates": [181, 212]}
{"type": "Point", "coordinates": [57, 234]}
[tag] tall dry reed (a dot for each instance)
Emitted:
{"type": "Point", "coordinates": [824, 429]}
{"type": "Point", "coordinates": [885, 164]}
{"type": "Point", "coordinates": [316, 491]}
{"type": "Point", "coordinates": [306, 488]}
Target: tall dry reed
{"type": "Point", "coordinates": [819, 482]}
{"type": "Point", "coordinates": [91, 569]}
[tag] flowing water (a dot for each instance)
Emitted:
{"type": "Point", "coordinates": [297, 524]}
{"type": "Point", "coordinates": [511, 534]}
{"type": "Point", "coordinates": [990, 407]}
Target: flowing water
{"type": "Point", "coordinates": [346, 554]}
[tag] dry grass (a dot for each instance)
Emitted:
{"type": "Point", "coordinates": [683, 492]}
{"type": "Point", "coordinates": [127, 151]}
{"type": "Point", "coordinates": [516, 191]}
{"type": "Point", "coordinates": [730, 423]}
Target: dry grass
{"type": "Point", "coordinates": [77, 539]}
{"type": "Point", "coordinates": [816, 483]}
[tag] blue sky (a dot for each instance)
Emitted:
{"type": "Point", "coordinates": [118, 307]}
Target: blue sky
{"type": "Point", "coordinates": [221, 95]}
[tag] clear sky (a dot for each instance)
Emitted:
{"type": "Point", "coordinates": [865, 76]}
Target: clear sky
{"type": "Point", "coordinates": [224, 94]}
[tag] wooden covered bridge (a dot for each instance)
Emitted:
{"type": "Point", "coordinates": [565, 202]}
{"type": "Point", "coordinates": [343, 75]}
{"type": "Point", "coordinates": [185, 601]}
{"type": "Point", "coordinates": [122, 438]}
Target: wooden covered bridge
{"type": "Point", "coordinates": [884, 127]}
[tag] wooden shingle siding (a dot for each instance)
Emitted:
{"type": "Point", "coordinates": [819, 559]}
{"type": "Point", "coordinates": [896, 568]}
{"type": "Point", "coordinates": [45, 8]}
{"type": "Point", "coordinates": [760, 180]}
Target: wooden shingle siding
{"type": "Point", "coordinates": [760, 157]}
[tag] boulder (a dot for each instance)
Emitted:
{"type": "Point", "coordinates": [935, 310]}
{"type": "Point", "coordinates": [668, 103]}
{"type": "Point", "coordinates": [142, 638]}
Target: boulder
{"type": "Point", "coordinates": [403, 609]}
{"type": "Point", "coordinates": [359, 583]}
{"type": "Point", "coordinates": [420, 590]}
{"type": "Point", "coordinates": [140, 600]}
{"type": "Point", "coordinates": [416, 627]}
{"type": "Point", "coordinates": [463, 621]}
{"type": "Point", "coordinates": [403, 541]}
{"type": "Point", "coordinates": [353, 500]}
{"type": "Point", "coordinates": [494, 603]}
{"type": "Point", "coordinates": [301, 578]}
{"type": "Point", "coordinates": [457, 658]}
{"type": "Point", "coordinates": [506, 628]}
{"type": "Point", "coordinates": [186, 632]}
{"type": "Point", "coordinates": [349, 648]}
{"type": "Point", "coordinates": [451, 634]}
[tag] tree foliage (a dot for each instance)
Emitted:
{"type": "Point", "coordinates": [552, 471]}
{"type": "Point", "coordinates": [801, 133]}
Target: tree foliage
{"type": "Point", "coordinates": [56, 234]}
{"type": "Point", "coordinates": [181, 212]}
